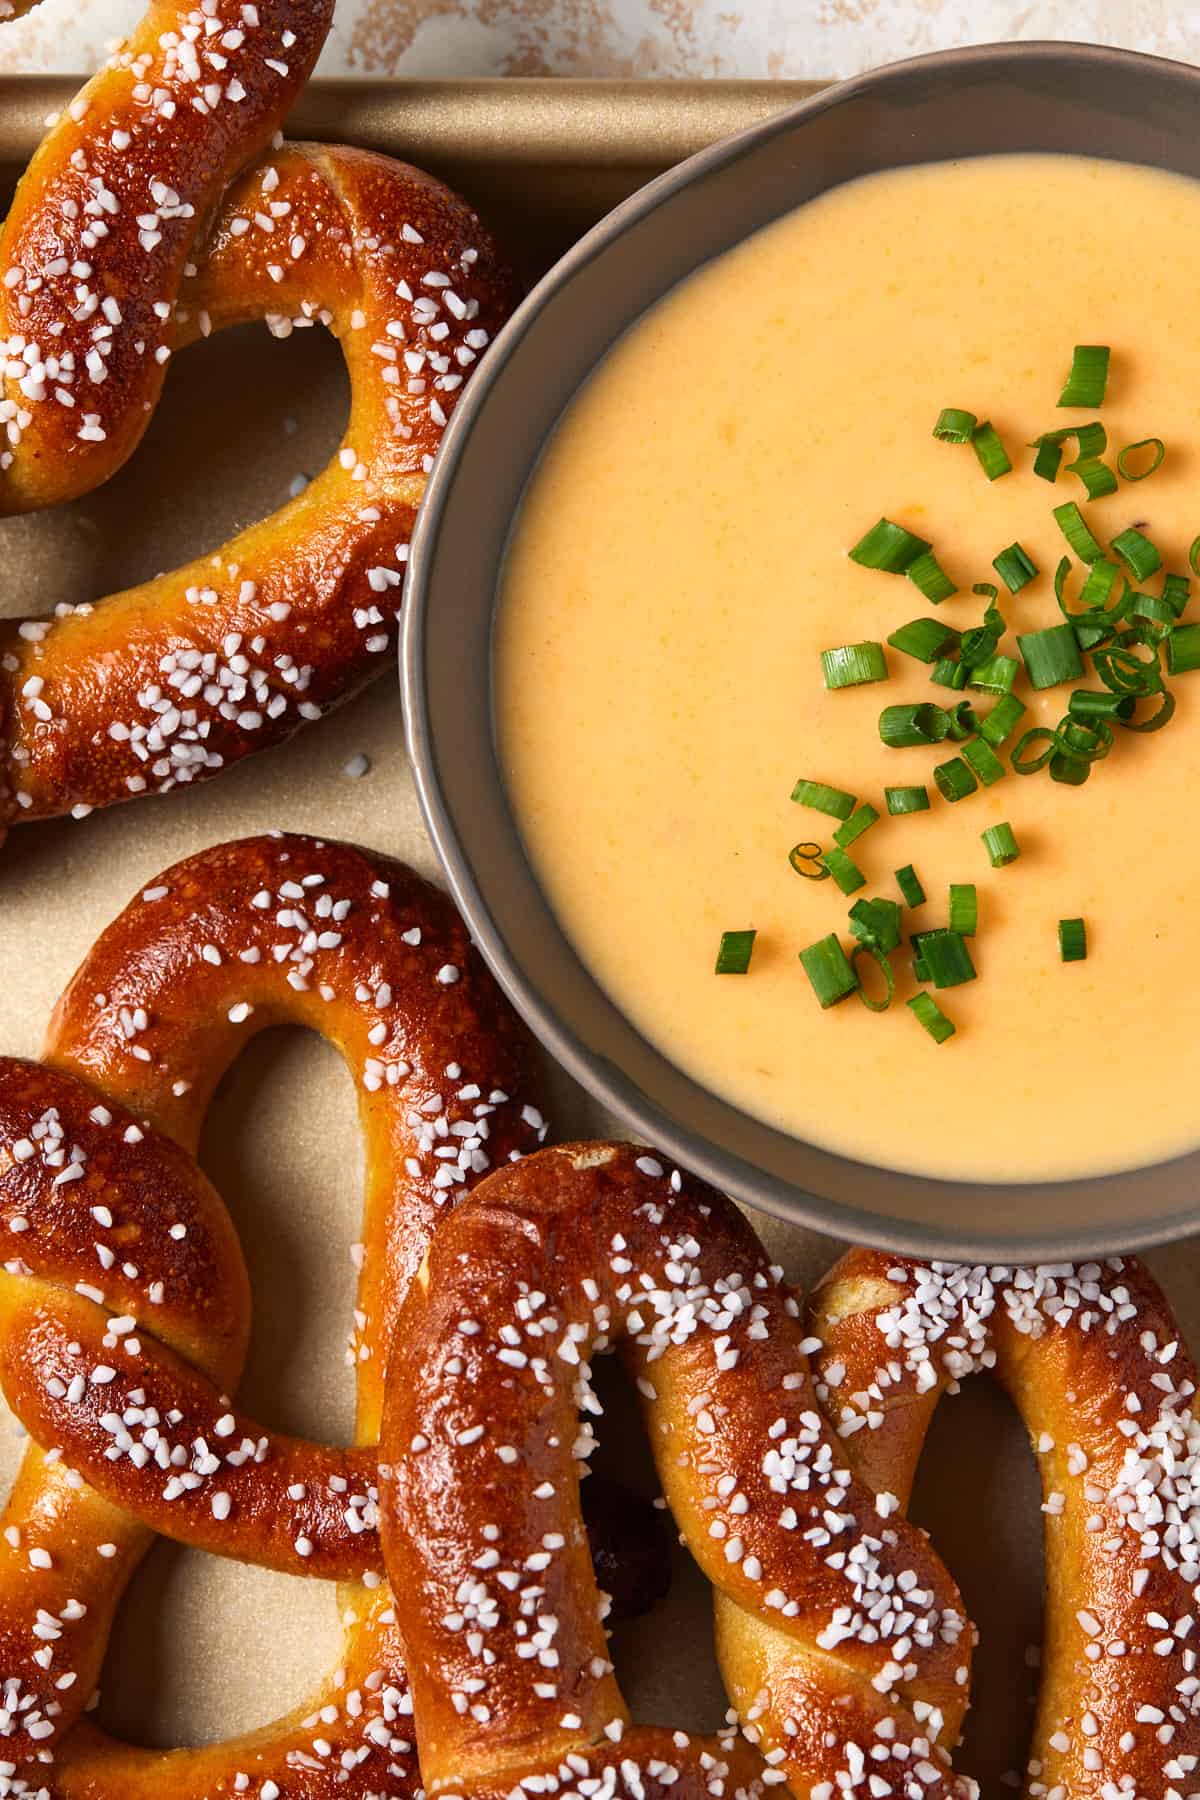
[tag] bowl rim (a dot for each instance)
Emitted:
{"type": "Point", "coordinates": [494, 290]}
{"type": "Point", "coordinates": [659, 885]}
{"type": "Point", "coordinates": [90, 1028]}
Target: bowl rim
{"type": "Point", "coordinates": [604, 1080]}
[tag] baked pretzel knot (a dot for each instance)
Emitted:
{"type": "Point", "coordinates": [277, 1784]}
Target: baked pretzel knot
{"type": "Point", "coordinates": [1107, 1390]}
{"type": "Point", "coordinates": [549, 1262]}
{"type": "Point", "coordinates": [124, 1308]}
{"type": "Point", "coordinates": [135, 231]}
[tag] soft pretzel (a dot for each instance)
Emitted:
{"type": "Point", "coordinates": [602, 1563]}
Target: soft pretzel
{"type": "Point", "coordinates": [107, 265]}
{"type": "Point", "coordinates": [1107, 1390]}
{"type": "Point", "coordinates": [549, 1261]}
{"type": "Point", "coordinates": [124, 1308]}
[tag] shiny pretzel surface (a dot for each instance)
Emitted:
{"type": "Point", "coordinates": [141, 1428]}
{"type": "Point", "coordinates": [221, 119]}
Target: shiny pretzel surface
{"type": "Point", "coordinates": [161, 207]}
{"type": "Point", "coordinates": [124, 1306]}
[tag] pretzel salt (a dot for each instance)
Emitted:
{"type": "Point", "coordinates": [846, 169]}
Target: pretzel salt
{"type": "Point", "coordinates": [1106, 1388]}
{"type": "Point", "coordinates": [108, 264]}
{"type": "Point", "coordinates": [548, 1262]}
{"type": "Point", "coordinates": [124, 1307]}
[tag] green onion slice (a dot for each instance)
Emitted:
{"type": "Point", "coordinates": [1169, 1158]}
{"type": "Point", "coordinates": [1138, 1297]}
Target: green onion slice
{"type": "Point", "coordinates": [910, 886]}
{"type": "Point", "coordinates": [845, 871]}
{"type": "Point", "coordinates": [1026, 761]}
{"type": "Point", "coordinates": [1122, 670]}
{"type": "Point", "coordinates": [1001, 845]}
{"type": "Point", "coordinates": [855, 825]}
{"type": "Point", "coordinates": [925, 639]}
{"type": "Point", "coordinates": [1175, 591]}
{"type": "Point", "coordinates": [954, 425]}
{"type": "Point", "coordinates": [1129, 458]}
{"type": "Point", "coordinates": [1137, 553]}
{"type": "Point", "coordinates": [1183, 649]}
{"type": "Point", "coordinates": [906, 799]}
{"type": "Point", "coordinates": [1050, 656]}
{"type": "Point", "coordinates": [1072, 940]}
{"type": "Point", "coordinates": [735, 951]}
{"type": "Point", "coordinates": [1088, 377]}
{"type": "Point", "coordinates": [1074, 528]}
{"type": "Point", "coordinates": [964, 908]}
{"type": "Point", "coordinates": [962, 722]}
{"type": "Point", "coordinates": [877, 956]}
{"type": "Point", "coordinates": [954, 780]}
{"type": "Point", "coordinates": [930, 1015]}
{"type": "Point", "coordinates": [889, 547]}
{"type": "Point", "coordinates": [876, 922]}
{"type": "Point", "coordinates": [1156, 721]}
{"type": "Point", "coordinates": [1000, 723]}
{"type": "Point", "coordinates": [1015, 567]}
{"type": "Point", "coordinates": [1087, 703]}
{"type": "Point", "coordinates": [1072, 771]}
{"type": "Point", "coordinates": [850, 665]}
{"type": "Point", "coordinates": [943, 957]}
{"type": "Point", "coordinates": [996, 676]}
{"type": "Point", "coordinates": [927, 573]}
{"type": "Point", "coordinates": [949, 673]}
{"type": "Point", "coordinates": [984, 761]}
{"type": "Point", "coordinates": [806, 860]}
{"type": "Point", "coordinates": [924, 723]}
{"type": "Point", "coordinates": [834, 801]}
{"type": "Point", "coordinates": [828, 969]}
{"type": "Point", "coordinates": [1088, 740]}
{"type": "Point", "coordinates": [993, 457]}
{"type": "Point", "coordinates": [1048, 459]}
{"type": "Point", "coordinates": [1096, 476]}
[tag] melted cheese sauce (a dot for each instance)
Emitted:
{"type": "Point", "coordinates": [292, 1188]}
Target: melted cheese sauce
{"type": "Point", "coordinates": [679, 563]}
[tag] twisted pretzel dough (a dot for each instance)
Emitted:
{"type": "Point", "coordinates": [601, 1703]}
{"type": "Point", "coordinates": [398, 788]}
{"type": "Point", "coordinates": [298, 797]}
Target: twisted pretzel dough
{"type": "Point", "coordinates": [1107, 1390]}
{"type": "Point", "coordinates": [108, 264]}
{"type": "Point", "coordinates": [124, 1310]}
{"type": "Point", "coordinates": [547, 1263]}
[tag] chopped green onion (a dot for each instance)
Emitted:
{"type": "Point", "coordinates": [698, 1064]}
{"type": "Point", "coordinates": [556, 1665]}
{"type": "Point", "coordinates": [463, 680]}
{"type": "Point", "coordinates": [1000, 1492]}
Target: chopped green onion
{"type": "Point", "coordinates": [1132, 450]}
{"type": "Point", "coordinates": [984, 761]}
{"type": "Point", "coordinates": [986, 587]}
{"type": "Point", "coordinates": [1072, 771]}
{"type": "Point", "coordinates": [1156, 721]}
{"type": "Point", "coordinates": [1048, 459]}
{"type": "Point", "coordinates": [1183, 649]}
{"type": "Point", "coordinates": [906, 799]}
{"type": "Point", "coordinates": [964, 908]}
{"type": "Point", "coordinates": [924, 639]}
{"type": "Point", "coordinates": [1095, 475]}
{"type": "Point", "coordinates": [1025, 764]}
{"type": "Point", "coordinates": [1074, 528]}
{"type": "Point", "coordinates": [913, 724]}
{"type": "Point", "coordinates": [962, 722]}
{"type": "Point", "coordinates": [1050, 656]}
{"type": "Point", "coordinates": [1002, 721]}
{"type": "Point", "coordinates": [1072, 940]}
{"type": "Point", "coordinates": [927, 573]}
{"type": "Point", "coordinates": [1090, 633]}
{"type": "Point", "coordinates": [996, 676]}
{"type": "Point", "coordinates": [1001, 845]}
{"type": "Point", "coordinates": [993, 457]}
{"type": "Point", "coordinates": [1086, 703]}
{"type": "Point", "coordinates": [850, 665]}
{"type": "Point", "coordinates": [943, 958]}
{"type": "Point", "coordinates": [1085, 740]}
{"type": "Point", "coordinates": [1137, 553]}
{"type": "Point", "coordinates": [1102, 577]}
{"type": "Point", "coordinates": [877, 956]}
{"type": "Point", "coordinates": [806, 860]}
{"type": "Point", "coordinates": [876, 922]}
{"type": "Point", "coordinates": [855, 825]}
{"type": "Point", "coordinates": [828, 969]}
{"type": "Point", "coordinates": [834, 801]}
{"type": "Point", "coordinates": [946, 672]}
{"type": "Point", "coordinates": [844, 869]}
{"type": "Point", "coordinates": [1015, 567]}
{"type": "Point", "coordinates": [910, 887]}
{"type": "Point", "coordinates": [1090, 440]}
{"type": "Point", "coordinates": [954, 780]}
{"type": "Point", "coordinates": [1175, 591]}
{"type": "Point", "coordinates": [1152, 607]}
{"type": "Point", "coordinates": [954, 425]}
{"type": "Point", "coordinates": [888, 547]}
{"type": "Point", "coordinates": [736, 949]}
{"type": "Point", "coordinates": [1125, 673]}
{"type": "Point", "coordinates": [930, 1015]}
{"type": "Point", "coordinates": [1089, 374]}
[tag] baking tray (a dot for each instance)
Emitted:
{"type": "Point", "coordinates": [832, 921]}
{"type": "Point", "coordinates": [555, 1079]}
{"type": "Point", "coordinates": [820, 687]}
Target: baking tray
{"type": "Point", "coordinates": [543, 160]}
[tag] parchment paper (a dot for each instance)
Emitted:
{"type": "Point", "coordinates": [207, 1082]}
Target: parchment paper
{"type": "Point", "coordinates": [243, 416]}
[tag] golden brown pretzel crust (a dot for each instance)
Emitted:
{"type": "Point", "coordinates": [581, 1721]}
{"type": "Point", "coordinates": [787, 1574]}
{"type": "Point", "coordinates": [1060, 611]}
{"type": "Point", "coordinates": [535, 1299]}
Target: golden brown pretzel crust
{"type": "Point", "coordinates": [128, 1275]}
{"type": "Point", "coordinates": [174, 680]}
{"type": "Point", "coordinates": [549, 1261]}
{"type": "Point", "coordinates": [1093, 1359]}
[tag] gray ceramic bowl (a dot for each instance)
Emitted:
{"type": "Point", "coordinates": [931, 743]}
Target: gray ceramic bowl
{"type": "Point", "coordinates": [1047, 97]}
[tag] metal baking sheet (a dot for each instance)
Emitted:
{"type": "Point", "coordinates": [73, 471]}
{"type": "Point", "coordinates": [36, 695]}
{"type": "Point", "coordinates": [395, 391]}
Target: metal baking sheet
{"type": "Point", "coordinates": [542, 160]}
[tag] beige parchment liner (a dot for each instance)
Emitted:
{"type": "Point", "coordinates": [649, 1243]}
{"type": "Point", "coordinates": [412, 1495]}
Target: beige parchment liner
{"type": "Point", "coordinates": [205, 1647]}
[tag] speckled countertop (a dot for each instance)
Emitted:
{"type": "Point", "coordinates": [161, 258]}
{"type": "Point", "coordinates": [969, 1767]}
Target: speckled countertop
{"type": "Point", "coordinates": [797, 38]}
